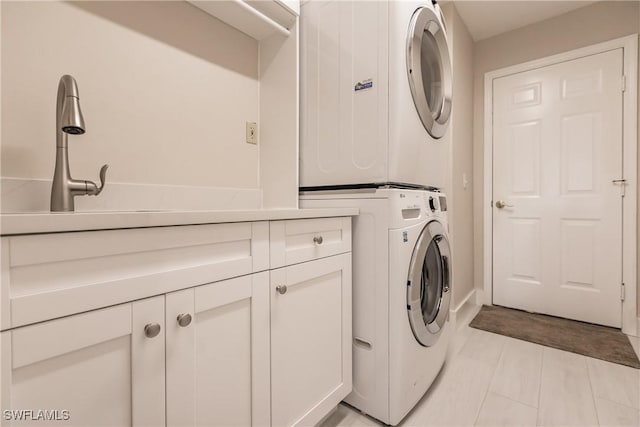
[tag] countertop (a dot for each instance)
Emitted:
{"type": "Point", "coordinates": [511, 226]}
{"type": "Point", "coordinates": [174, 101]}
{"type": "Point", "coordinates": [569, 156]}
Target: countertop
{"type": "Point", "coordinates": [47, 222]}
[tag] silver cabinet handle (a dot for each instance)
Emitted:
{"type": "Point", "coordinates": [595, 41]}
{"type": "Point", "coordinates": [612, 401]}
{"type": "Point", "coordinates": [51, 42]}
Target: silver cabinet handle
{"type": "Point", "coordinates": [151, 330]}
{"type": "Point", "coordinates": [318, 240]}
{"type": "Point", "coordinates": [501, 205]}
{"type": "Point", "coordinates": [282, 289]}
{"type": "Point", "coordinates": [184, 319]}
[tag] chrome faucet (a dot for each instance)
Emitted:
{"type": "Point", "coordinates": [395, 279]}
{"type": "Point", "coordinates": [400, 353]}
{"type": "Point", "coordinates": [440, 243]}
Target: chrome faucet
{"type": "Point", "coordinates": [69, 120]}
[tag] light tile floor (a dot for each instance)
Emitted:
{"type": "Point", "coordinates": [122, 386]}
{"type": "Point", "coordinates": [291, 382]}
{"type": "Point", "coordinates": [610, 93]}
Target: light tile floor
{"type": "Point", "coordinates": [493, 380]}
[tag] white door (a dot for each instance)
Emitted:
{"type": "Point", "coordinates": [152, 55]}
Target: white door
{"type": "Point", "coordinates": [310, 339]}
{"type": "Point", "coordinates": [557, 212]}
{"type": "Point", "coordinates": [218, 353]}
{"type": "Point", "coordinates": [104, 367]}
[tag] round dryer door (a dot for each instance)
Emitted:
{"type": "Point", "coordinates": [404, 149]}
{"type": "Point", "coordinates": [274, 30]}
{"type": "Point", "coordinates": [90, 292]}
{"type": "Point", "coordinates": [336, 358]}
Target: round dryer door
{"type": "Point", "coordinates": [428, 292]}
{"type": "Point", "coordinates": [429, 70]}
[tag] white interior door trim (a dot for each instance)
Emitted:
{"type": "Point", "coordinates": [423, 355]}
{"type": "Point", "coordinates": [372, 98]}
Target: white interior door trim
{"type": "Point", "coordinates": [629, 44]}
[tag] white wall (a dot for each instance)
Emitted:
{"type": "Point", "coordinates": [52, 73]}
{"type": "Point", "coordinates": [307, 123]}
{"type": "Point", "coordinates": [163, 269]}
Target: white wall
{"type": "Point", "coordinates": [461, 129]}
{"type": "Point", "coordinates": [589, 25]}
{"type": "Point", "coordinates": [165, 90]}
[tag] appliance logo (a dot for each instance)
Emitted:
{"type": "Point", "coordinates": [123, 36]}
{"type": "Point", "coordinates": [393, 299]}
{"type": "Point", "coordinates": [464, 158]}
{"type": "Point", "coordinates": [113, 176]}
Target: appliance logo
{"type": "Point", "coordinates": [365, 84]}
{"type": "Point", "coordinates": [405, 237]}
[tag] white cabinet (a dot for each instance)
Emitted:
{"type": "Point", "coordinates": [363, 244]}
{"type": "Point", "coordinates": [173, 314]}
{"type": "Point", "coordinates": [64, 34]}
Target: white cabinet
{"type": "Point", "coordinates": [98, 366]}
{"type": "Point", "coordinates": [224, 341]}
{"type": "Point", "coordinates": [218, 353]}
{"type": "Point", "coordinates": [310, 339]}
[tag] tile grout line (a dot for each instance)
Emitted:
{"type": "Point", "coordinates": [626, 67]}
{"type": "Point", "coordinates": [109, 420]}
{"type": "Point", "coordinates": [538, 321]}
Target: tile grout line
{"type": "Point", "coordinates": [606, 398]}
{"type": "Point", "coordinates": [593, 396]}
{"type": "Point", "coordinates": [540, 388]}
{"type": "Point", "coordinates": [617, 403]}
{"type": "Point", "coordinates": [590, 369]}
{"type": "Point", "coordinates": [513, 400]}
{"type": "Point", "coordinates": [493, 374]}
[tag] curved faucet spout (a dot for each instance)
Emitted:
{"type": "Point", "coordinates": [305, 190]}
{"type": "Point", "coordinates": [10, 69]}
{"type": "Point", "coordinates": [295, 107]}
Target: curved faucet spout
{"type": "Point", "coordinates": [69, 120]}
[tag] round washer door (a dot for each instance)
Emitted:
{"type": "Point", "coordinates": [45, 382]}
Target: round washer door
{"type": "Point", "coordinates": [429, 70]}
{"type": "Point", "coordinates": [429, 291]}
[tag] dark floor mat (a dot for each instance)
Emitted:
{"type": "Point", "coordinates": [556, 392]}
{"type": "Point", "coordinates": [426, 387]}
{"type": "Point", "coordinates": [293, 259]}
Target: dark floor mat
{"type": "Point", "coordinates": [599, 342]}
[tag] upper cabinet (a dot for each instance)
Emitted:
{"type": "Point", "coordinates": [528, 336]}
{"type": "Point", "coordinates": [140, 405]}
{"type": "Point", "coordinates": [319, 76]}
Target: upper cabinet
{"type": "Point", "coordinates": [256, 18]}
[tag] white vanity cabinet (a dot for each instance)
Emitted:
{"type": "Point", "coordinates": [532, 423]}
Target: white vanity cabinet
{"type": "Point", "coordinates": [190, 325]}
{"type": "Point", "coordinates": [99, 366]}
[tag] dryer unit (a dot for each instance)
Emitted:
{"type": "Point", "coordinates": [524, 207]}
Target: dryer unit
{"type": "Point", "coordinates": [375, 93]}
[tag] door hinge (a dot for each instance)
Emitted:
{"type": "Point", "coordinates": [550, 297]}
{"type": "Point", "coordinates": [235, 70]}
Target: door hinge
{"type": "Point", "coordinates": [624, 83]}
{"type": "Point", "coordinates": [622, 294]}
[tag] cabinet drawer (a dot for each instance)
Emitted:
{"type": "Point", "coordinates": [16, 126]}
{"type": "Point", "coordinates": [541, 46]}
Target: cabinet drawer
{"type": "Point", "coordinates": [297, 241]}
{"type": "Point", "coordinates": [52, 275]}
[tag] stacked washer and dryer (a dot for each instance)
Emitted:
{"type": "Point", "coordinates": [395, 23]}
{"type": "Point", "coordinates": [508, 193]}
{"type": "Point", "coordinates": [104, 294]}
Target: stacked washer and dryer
{"type": "Point", "coordinates": [375, 109]}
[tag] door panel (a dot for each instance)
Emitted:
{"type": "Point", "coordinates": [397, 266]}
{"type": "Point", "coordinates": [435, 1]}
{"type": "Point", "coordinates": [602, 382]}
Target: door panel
{"type": "Point", "coordinates": [557, 147]}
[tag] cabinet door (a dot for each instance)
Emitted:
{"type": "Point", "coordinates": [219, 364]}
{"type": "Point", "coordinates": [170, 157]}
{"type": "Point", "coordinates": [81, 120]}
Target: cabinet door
{"type": "Point", "coordinates": [218, 363]}
{"type": "Point", "coordinates": [310, 339]}
{"type": "Point", "coordinates": [96, 368]}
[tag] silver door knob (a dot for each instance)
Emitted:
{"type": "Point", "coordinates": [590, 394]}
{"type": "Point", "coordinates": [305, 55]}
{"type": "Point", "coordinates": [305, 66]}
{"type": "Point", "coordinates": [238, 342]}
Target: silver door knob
{"type": "Point", "coordinates": [282, 289]}
{"type": "Point", "coordinates": [318, 240]}
{"type": "Point", "coordinates": [501, 205]}
{"type": "Point", "coordinates": [151, 330]}
{"type": "Point", "coordinates": [184, 319]}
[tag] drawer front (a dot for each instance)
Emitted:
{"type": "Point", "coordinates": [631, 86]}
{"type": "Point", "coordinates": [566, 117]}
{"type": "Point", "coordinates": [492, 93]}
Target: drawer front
{"type": "Point", "coordinates": [52, 275]}
{"type": "Point", "coordinates": [297, 241]}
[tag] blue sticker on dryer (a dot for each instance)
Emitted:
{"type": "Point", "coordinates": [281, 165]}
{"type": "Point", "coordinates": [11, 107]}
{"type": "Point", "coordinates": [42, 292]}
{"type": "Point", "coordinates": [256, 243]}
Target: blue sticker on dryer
{"type": "Point", "coordinates": [365, 84]}
{"type": "Point", "coordinates": [405, 237]}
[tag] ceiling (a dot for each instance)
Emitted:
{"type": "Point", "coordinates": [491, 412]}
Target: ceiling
{"type": "Point", "coordinates": [485, 19]}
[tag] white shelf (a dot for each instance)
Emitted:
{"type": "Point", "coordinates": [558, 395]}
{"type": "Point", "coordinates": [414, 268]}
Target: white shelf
{"type": "Point", "coordinates": [256, 18]}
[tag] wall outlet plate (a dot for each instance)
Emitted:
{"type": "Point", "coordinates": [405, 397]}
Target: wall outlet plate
{"type": "Point", "coordinates": [252, 133]}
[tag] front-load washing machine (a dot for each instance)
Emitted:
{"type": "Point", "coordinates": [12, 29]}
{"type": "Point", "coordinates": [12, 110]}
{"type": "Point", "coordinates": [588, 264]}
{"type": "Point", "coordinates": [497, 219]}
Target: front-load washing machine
{"type": "Point", "coordinates": [401, 294]}
{"type": "Point", "coordinates": [375, 88]}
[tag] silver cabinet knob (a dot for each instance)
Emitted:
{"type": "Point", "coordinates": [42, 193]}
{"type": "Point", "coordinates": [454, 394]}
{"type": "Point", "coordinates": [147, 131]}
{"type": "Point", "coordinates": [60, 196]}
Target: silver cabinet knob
{"type": "Point", "coordinates": [501, 205]}
{"type": "Point", "coordinates": [184, 319]}
{"type": "Point", "coordinates": [282, 289]}
{"type": "Point", "coordinates": [318, 240]}
{"type": "Point", "coordinates": [151, 330]}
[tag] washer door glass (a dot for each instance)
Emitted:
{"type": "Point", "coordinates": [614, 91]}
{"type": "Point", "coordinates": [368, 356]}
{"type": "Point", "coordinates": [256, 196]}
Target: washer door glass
{"type": "Point", "coordinates": [429, 70]}
{"type": "Point", "coordinates": [429, 293]}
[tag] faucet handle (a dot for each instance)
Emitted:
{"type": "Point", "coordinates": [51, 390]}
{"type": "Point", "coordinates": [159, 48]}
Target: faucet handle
{"type": "Point", "coordinates": [103, 178]}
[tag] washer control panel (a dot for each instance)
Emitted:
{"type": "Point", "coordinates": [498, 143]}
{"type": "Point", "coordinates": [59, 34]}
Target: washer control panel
{"type": "Point", "coordinates": [408, 206]}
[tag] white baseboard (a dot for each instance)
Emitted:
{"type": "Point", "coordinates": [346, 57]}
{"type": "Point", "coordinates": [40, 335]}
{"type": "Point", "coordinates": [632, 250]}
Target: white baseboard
{"type": "Point", "coordinates": [480, 298]}
{"type": "Point", "coordinates": [470, 297]}
{"type": "Point", "coordinates": [459, 314]}
{"type": "Point", "coordinates": [19, 195]}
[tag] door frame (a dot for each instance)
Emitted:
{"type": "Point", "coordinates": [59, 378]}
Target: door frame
{"type": "Point", "coordinates": [629, 45]}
